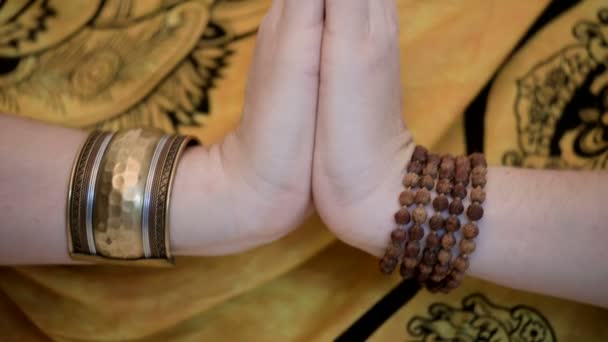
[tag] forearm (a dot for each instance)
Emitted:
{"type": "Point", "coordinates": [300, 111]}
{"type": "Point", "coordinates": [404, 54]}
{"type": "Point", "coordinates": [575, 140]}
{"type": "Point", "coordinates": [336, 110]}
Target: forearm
{"type": "Point", "coordinates": [206, 213]}
{"type": "Point", "coordinates": [545, 231]}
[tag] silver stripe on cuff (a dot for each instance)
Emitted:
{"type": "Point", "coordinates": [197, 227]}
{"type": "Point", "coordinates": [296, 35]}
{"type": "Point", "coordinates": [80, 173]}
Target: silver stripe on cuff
{"type": "Point", "coordinates": [145, 222]}
{"type": "Point", "coordinates": [91, 193]}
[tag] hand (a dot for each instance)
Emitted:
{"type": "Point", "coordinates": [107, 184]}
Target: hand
{"type": "Point", "coordinates": [362, 144]}
{"type": "Point", "coordinates": [261, 188]}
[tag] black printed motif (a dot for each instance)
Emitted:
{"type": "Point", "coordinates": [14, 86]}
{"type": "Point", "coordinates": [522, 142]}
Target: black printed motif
{"type": "Point", "coordinates": [562, 105]}
{"type": "Point", "coordinates": [116, 63]}
{"type": "Point", "coordinates": [480, 320]}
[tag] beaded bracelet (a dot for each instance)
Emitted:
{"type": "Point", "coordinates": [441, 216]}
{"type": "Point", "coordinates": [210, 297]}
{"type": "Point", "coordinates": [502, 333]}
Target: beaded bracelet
{"type": "Point", "coordinates": [474, 213]}
{"type": "Point", "coordinates": [119, 197]}
{"type": "Point", "coordinates": [421, 198]}
{"type": "Point", "coordinates": [436, 222]}
{"type": "Point", "coordinates": [438, 270]}
{"type": "Point", "coordinates": [401, 237]}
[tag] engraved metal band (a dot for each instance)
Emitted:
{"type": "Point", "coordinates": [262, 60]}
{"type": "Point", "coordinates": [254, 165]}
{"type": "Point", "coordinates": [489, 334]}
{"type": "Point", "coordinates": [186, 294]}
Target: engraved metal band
{"type": "Point", "coordinates": [160, 200]}
{"type": "Point", "coordinates": [79, 195]}
{"type": "Point", "coordinates": [148, 194]}
{"type": "Point", "coordinates": [91, 193]}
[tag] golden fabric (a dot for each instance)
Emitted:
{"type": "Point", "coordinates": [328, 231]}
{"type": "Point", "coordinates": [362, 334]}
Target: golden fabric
{"type": "Point", "coordinates": [181, 66]}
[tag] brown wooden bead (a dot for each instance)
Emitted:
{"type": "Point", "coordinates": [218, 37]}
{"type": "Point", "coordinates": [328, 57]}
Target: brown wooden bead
{"type": "Point", "coordinates": [479, 171]}
{"type": "Point", "coordinates": [433, 240]}
{"type": "Point", "coordinates": [414, 167]}
{"type": "Point", "coordinates": [459, 191]}
{"type": "Point", "coordinates": [407, 273]}
{"type": "Point", "coordinates": [419, 214]}
{"type": "Point", "coordinates": [428, 182]}
{"type": "Point", "coordinates": [448, 241]}
{"type": "Point", "coordinates": [436, 222]}
{"type": "Point", "coordinates": [399, 235]}
{"type": "Point", "coordinates": [467, 246]}
{"type": "Point", "coordinates": [423, 197]}
{"type": "Point", "coordinates": [478, 180]}
{"type": "Point", "coordinates": [394, 251]}
{"type": "Point", "coordinates": [433, 159]}
{"type": "Point", "coordinates": [444, 186]}
{"type": "Point", "coordinates": [429, 256]}
{"type": "Point", "coordinates": [411, 180]}
{"type": "Point", "coordinates": [475, 212]}
{"type": "Point", "coordinates": [447, 167]}
{"type": "Point", "coordinates": [456, 207]}
{"type": "Point", "coordinates": [478, 159]}
{"type": "Point", "coordinates": [461, 175]}
{"type": "Point", "coordinates": [420, 154]}
{"type": "Point", "coordinates": [425, 270]}
{"type": "Point", "coordinates": [452, 223]}
{"type": "Point", "coordinates": [478, 195]}
{"type": "Point", "coordinates": [388, 265]}
{"type": "Point", "coordinates": [402, 216]}
{"type": "Point", "coordinates": [407, 198]}
{"type": "Point", "coordinates": [461, 264]}
{"type": "Point", "coordinates": [441, 270]}
{"type": "Point", "coordinates": [452, 284]}
{"type": "Point", "coordinates": [470, 231]}
{"type": "Point", "coordinates": [441, 203]}
{"type": "Point", "coordinates": [410, 262]}
{"type": "Point", "coordinates": [416, 233]}
{"type": "Point", "coordinates": [444, 256]}
{"type": "Point", "coordinates": [463, 162]}
{"type": "Point", "coordinates": [457, 275]}
{"type": "Point", "coordinates": [435, 278]}
{"type": "Point", "coordinates": [412, 249]}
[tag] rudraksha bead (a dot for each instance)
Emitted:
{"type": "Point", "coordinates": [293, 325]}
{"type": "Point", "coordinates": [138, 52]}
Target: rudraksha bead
{"type": "Point", "coordinates": [478, 195]}
{"type": "Point", "coordinates": [429, 257]}
{"type": "Point", "coordinates": [402, 216]}
{"type": "Point", "coordinates": [441, 203]}
{"type": "Point", "coordinates": [461, 264]}
{"type": "Point", "coordinates": [414, 167]}
{"type": "Point", "coordinates": [419, 215]}
{"type": "Point", "coordinates": [411, 180]}
{"type": "Point", "coordinates": [420, 154]}
{"type": "Point", "coordinates": [388, 265]}
{"type": "Point", "coordinates": [436, 222]}
{"type": "Point", "coordinates": [456, 207]}
{"type": "Point", "coordinates": [448, 240]}
{"type": "Point", "coordinates": [399, 235]}
{"type": "Point", "coordinates": [444, 186]}
{"type": "Point", "coordinates": [422, 197]}
{"type": "Point", "coordinates": [444, 256]}
{"type": "Point", "coordinates": [412, 249]}
{"type": "Point", "coordinates": [406, 198]}
{"type": "Point", "coordinates": [409, 262]}
{"type": "Point", "coordinates": [452, 223]}
{"type": "Point", "coordinates": [394, 251]}
{"type": "Point", "coordinates": [428, 182]}
{"type": "Point", "coordinates": [478, 181]}
{"type": "Point", "coordinates": [467, 246]}
{"type": "Point", "coordinates": [475, 212]}
{"type": "Point", "coordinates": [470, 231]}
{"type": "Point", "coordinates": [416, 233]}
{"type": "Point", "coordinates": [459, 191]}
{"type": "Point", "coordinates": [433, 240]}
{"type": "Point", "coordinates": [478, 159]}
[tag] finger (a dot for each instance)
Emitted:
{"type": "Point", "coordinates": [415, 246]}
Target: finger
{"type": "Point", "coordinates": [360, 94]}
{"type": "Point", "coordinates": [348, 18]}
{"type": "Point", "coordinates": [276, 133]}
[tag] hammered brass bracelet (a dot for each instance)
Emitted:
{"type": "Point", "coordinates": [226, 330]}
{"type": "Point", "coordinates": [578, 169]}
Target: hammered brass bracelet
{"type": "Point", "coordinates": [119, 196]}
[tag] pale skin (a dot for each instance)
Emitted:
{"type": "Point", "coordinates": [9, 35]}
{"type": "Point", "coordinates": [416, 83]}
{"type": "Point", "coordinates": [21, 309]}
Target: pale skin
{"type": "Point", "coordinates": [340, 139]}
